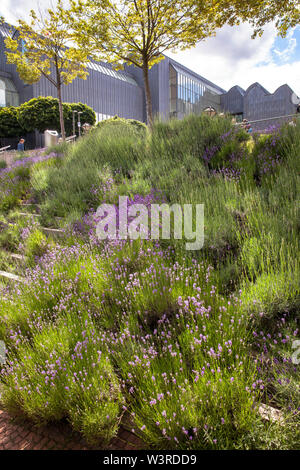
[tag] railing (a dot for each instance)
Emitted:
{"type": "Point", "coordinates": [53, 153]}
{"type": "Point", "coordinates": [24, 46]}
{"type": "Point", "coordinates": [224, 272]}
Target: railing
{"type": "Point", "coordinates": [71, 138]}
{"type": "Point", "coordinates": [2, 149]}
{"type": "Point", "coordinates": [268, 119]}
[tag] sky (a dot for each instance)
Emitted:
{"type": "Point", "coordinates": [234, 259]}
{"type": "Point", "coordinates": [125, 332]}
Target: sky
{"type": "Point", "coordinates": [230, 58]}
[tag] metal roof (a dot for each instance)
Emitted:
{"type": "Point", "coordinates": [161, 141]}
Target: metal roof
{"type": "Point", "coordinates": [5, 30]}
{"type": "Point", "coordinates": [119, 75]}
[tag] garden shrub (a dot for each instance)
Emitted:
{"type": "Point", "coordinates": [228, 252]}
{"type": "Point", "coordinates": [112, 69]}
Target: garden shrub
{"type": "Point", "coordinates": [35, 245]}
{"type": "Point", "coordinates": [122, 123]}
{"type": "Point", "coordinates": [15, 184]}
{"type": "Point", "coordinates": [9, 123]}
{"type": "Point", "coordinates": [88, 116]}
{"type": "Point", "coordinates": [270, 150]}
{"type": "Point", "coordinates": [42, 113]}
{"type": "Point", "coordinates": [271, 295]}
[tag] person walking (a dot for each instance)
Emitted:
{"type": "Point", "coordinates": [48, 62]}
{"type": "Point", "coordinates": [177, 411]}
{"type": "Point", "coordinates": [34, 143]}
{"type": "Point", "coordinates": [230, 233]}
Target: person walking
{"type": "Point", "coordinates": [21, 145]}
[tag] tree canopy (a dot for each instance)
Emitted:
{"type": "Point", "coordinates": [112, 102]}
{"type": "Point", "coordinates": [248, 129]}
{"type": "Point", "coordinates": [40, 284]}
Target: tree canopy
{"type": "Point", "coordinates": [140, 31]}
{"type": "Point", "coordinates": [285, 13]}
{"type": "Point", "coordinates": [43, 47]}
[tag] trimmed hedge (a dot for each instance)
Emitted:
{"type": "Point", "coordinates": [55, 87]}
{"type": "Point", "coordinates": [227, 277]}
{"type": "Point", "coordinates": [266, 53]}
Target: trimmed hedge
{"type": "Point", "coordinates": [40, 114]}
{"type": "Point", "coordinates": [9, 124]}
{"type": "Point", "coordinates": [88, 115]}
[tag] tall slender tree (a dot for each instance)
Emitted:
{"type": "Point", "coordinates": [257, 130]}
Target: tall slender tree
{"type": "Point", "coordinates": [43, 47]}
{"type": "Point", "coordinates": [140, 31]}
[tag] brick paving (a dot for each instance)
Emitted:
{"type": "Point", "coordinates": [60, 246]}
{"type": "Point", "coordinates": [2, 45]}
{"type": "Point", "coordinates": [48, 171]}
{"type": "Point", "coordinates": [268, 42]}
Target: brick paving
{"type": "Point", "coordinates": [23, 435]}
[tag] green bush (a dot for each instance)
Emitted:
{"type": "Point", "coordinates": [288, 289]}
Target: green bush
{"type": "Point", "coordinates": [42, 113]}
{"type": "Point", "coordinates": [88, 169]}
{"type": "Point", "coordinates": [88, 116]}
{"type": "Point", "coordinates": [35, 245]}
{"type": "Point", "coordinates": [270, 150]}
{"type": "Point", "coordinates": [94, 409]}
{"type": "Point", "coordinates": [9, 123]}
{"type": "Point", "coordinates": [116, 121]}
{"type": "Point", "coordinates": [14, 185]}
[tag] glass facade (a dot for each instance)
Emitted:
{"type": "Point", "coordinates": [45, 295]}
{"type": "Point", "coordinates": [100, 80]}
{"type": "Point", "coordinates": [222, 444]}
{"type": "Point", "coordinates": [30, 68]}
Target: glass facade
{"type": "Point", "coordinates": [8, 93]}
{"type": "Point", "coordinates": [189, 94]}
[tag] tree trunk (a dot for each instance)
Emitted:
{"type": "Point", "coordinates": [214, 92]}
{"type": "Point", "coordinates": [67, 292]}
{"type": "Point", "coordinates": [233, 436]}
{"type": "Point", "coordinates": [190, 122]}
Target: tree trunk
{"type": "Point", "coordinates": [148, 95]}
{"type": "Point", "coordinates": [60, 105]}
{"type": "Point", "coordinates": [61, 113]}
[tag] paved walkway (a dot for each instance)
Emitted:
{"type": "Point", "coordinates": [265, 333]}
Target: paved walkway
{"type": "Point", "coordinates": [16, 435]}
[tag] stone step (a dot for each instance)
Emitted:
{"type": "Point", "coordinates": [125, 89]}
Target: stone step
{"type": "Point", "coordinates": [14, 256]}
{"type": "Point", "coordinates": [17, 256]}
{"type": "Point", "coordinates": [53, 232]}
{"type": "Point", "coordinates": [33, 214]}
{"type": "Point", "coordinates": [12, 277]}
{"type": "Point", "coordinates": [269, 413]}
{"type": "Point", "coordinates": [28, 214]}
{"type": "Point", "coordinates": [31, 208]}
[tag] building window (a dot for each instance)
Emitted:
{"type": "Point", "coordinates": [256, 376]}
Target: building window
{"type": "Point", "coordinates": [8, 93]}
{"type": "Point", "coordinates": [189, 94]}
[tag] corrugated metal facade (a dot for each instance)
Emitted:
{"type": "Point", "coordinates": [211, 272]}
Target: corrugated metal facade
{"type": "Point", "coordinates": [107, 95]}
{"type": "Point", "coordinates": [257, 103]}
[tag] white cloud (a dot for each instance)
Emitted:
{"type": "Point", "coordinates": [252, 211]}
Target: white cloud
{"type": "Point", "coordinates": [12, 10]}
{"type": "Point", "coordinates": [288, 51]}
{"type": "Point", "coordinates": [233, 58]}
